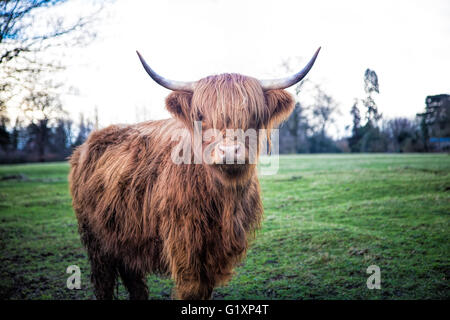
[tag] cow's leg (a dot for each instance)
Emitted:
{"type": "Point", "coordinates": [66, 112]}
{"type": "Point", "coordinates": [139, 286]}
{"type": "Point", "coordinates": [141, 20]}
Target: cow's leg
{"type": "Point", "coordinates": [103, 268]}
{"type": "Point", "coordinates": [103, 277]}
{"type": "Point", "coordinates": [193, 288]}
{"type": "Point", "coordinates": [135, 283]}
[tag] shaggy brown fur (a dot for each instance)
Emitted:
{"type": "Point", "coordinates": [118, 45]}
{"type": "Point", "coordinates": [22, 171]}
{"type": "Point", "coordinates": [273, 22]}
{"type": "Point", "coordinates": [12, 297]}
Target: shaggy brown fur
{"type": "Point", "coordinates": [138, 212]}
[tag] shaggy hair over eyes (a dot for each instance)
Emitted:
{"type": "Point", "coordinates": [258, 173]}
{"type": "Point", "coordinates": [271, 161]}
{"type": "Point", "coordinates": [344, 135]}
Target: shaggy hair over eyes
{"type": "Point", "coordinates": [230, 101]}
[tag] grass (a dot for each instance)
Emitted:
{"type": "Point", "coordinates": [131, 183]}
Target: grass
{"type": "Point", "coordinates": [327, 218]}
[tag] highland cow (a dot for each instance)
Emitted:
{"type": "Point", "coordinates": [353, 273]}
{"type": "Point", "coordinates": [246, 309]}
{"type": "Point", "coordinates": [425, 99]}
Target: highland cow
{"type": "Point", "coordinates": [139, 212]}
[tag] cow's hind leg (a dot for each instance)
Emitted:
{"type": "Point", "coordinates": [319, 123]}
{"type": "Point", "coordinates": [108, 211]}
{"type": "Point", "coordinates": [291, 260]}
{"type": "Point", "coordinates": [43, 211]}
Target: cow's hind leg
{"type": "Point", "coordinates": [103, 267]}
{"type": "Point", "coordinates": [193, 289]}
{"type": "Point", "coordinates": [135, 283]}
{"type": "Point", "coordinates": [103, 277]}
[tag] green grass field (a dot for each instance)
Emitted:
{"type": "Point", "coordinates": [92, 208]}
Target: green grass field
{"type": "Point", "coordinates": [327, 218]}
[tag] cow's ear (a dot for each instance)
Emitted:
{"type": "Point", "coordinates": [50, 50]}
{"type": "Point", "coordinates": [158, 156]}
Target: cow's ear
{"type": "Point", "coordinates": [178, 103]}
{"type": "Point", "coordinates": [280, 104]}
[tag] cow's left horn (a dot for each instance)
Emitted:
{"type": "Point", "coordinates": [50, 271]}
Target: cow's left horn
{"type": "Point", "coordinates": [283, 83]}
{"type": "Point", "coordinates": [166, 83]}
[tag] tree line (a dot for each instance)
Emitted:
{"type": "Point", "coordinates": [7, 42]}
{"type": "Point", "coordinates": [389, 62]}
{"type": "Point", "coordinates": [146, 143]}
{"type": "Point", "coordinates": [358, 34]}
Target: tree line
{"type": "Point", "coordinates": [52, 136]}
{"type": "Point", "coordinates": [42, 140]}
{"type": "Point", "coordinates": [306, 130]}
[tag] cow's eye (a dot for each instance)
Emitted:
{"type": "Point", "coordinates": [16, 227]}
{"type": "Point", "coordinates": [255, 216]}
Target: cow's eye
{"type": "Point", "coordinates": [199, 116]}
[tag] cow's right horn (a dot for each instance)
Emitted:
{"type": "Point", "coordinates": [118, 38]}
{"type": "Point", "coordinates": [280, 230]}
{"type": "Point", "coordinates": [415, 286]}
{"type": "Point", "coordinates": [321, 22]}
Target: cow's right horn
{"type": "Point", "coordinates": [273, 84]}
{"type": "Point", "coordinates": [166, 83]}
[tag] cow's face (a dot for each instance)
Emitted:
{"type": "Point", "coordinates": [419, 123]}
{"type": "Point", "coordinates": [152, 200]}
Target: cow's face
{"type": "Point", "coordinates": [226, 113]}
{"type": "Point", "coordinates": [230, 115]}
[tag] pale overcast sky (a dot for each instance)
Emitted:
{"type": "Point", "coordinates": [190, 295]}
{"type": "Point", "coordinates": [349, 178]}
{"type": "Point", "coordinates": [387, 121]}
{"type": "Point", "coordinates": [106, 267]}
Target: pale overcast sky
{"type": "Point", "coordinates": [406, 42]}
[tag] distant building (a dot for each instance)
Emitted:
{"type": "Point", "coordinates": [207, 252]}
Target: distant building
{"type": "Point", "coordinates": [436, 122]}
{"type": "Point", "coordinates": [440, 144]}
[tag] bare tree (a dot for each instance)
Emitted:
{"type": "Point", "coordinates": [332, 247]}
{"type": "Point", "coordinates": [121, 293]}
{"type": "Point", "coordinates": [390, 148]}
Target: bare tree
{"type": "Point", "coordinates": [354, 139]}
{"type": "Point", "coordinates": [28, 30]}
{"type": "Point", "coordinates": [324, 111]}
{"type": "Point", "coordinates": [371, 86]}
{"type": "Point", "coordinates": [42, 106]}
{"type": "Point", "coordinates": [399, 130]}
{"type": "Point", "coordinates": [84, 128]}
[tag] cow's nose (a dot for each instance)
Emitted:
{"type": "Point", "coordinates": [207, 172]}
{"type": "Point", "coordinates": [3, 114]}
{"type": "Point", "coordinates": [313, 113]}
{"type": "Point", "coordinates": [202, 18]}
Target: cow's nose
{"type": "Point", "coordinates": [229, 151]}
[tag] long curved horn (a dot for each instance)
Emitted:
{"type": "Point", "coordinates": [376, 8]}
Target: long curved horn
{"type": "Point", "coordinates": [166, 83]}
{"type": "Point", "coordinates": [283, 83]}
